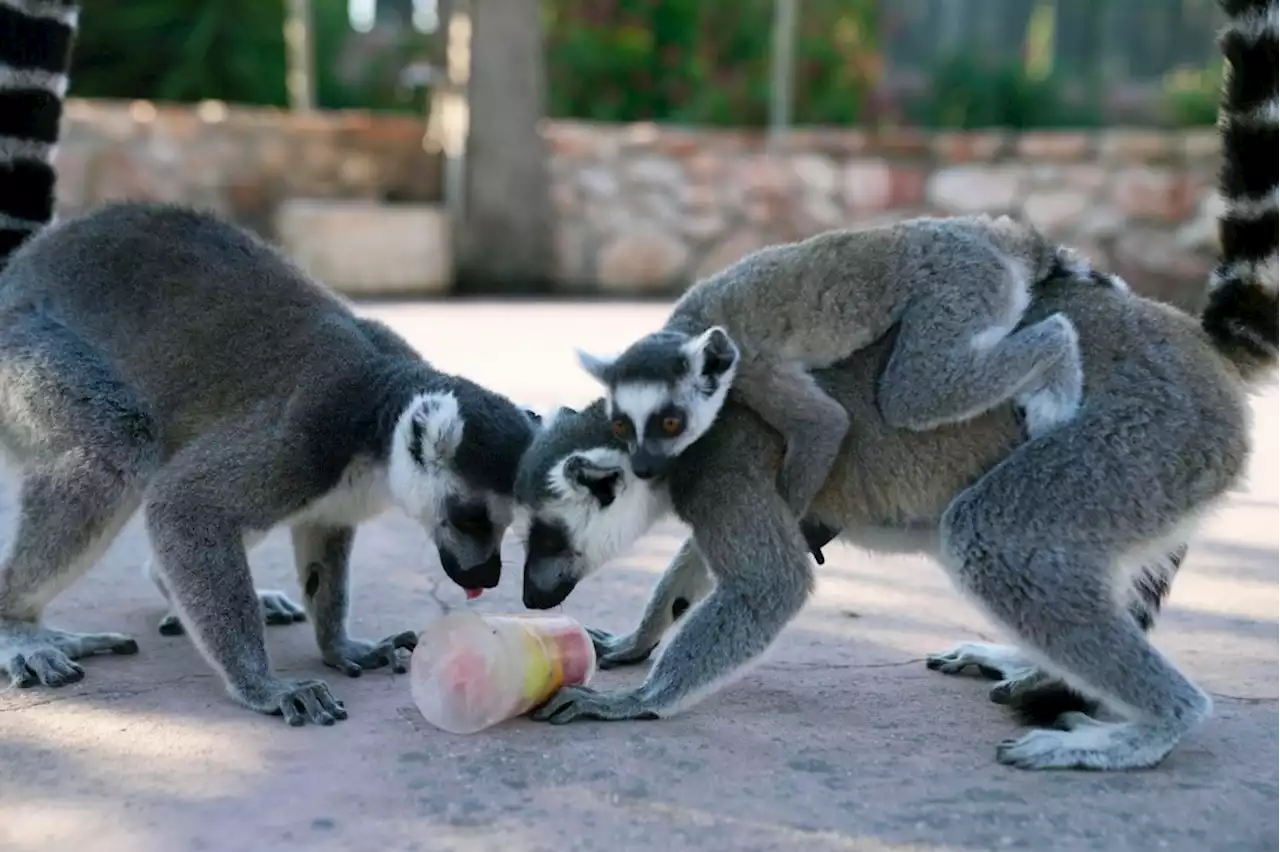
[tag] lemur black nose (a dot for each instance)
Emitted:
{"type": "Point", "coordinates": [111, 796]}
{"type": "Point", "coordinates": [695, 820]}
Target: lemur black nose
{"type": "Point", "coordinates": [537, 596]}
{"type": "Point", "coordinates": [486, 575]}
{"type": "Point", "coordinates": [647, 465]}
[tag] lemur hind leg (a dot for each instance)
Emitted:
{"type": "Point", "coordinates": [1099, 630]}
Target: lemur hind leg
{"type": "Point", "coordinates": [277, 607]}
{"type": "Point", "coordinates": [1034, 696]}
{"type": "Point", "coordinates": [938, 374]}
{"type": "Point", "coordinates": [1015, 540]}
{"type": "Point", "coordinates": [87, 446]}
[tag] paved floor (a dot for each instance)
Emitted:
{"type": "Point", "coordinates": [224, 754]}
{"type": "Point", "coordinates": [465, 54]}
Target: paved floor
{"type": "Point", "coordinates": [842, 740]}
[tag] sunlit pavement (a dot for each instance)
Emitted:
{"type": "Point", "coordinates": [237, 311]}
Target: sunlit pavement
{"type": "Point", "coordinates": [840, 740]}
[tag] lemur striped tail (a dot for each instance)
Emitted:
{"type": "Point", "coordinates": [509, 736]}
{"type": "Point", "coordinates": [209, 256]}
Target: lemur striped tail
{"type": "Point", "coordinates": [1241, 315]}
{"type": "Point", "coordinates": [36, 38]}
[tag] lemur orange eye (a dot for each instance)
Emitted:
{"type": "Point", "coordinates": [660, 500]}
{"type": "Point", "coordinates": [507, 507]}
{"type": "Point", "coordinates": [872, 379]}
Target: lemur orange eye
{"type": "Point", "coordinates": [621, 429]}
{"type": "Point", "coordinates": [671, 425]}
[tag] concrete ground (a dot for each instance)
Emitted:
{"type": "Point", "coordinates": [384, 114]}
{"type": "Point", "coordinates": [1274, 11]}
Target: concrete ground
{"type": "Point", "coordinates": [840, 740]}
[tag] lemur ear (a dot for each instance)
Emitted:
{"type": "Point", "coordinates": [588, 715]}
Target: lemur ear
{"type": "Point", "coordinates": [534, 416]}
{"type": "Point", "coordinates": [590, 475]}
{"type": "Point", "coordinates": [598, 367]}
{"type": "Point", "coordinates": [435, 428]}
{"type": "Point", "coordinates": [719, 352]}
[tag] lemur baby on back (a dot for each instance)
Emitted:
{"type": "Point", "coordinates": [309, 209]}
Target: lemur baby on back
{"type": "Point", "coordinates": [957, 287]}
{"type": "Point", "coordinates": [1067, 542]}
{"type": "Point", "coordinates": [160, 357]}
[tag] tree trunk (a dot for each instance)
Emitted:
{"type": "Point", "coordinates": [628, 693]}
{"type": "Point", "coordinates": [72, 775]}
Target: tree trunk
{"type": "Point", "coordinates": [504, 242]}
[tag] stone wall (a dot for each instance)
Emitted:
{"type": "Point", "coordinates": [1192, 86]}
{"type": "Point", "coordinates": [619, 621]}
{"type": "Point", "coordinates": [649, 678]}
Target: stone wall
{"type": "Point", "coordinates": [647, 209]}
{"type": "Point", "coordinates": [241, 162]}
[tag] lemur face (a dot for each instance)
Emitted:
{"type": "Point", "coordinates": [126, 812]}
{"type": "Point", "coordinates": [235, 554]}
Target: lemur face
{"type": "Point", "coordinates": [442, 477]}
{"type": "Point", "coordinates": [665, 391]}
{"type": "Point", "coordinates": [469, 539]}
{"type": "Point", "coordinates": [585, 505]}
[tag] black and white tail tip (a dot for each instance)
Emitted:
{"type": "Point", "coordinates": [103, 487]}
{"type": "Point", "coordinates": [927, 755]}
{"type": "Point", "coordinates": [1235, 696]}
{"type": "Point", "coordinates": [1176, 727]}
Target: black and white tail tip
{"type": "Point", "coordinates": [1241, 315]}
{"type": "Point", "coordinates": [36, 39]}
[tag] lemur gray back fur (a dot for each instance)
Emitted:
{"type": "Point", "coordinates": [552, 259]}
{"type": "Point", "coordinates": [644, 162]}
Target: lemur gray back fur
{"type": "Point", "coordinates": [156, 356]}
{"type": "Point", "coordinates": [1068, 541]}
{"type": "Point", "coordinates": [955, 289]}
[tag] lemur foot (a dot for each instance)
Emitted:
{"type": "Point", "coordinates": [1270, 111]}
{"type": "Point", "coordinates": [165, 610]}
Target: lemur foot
{"type": "Point", "coordinates": [579, 702]}
{"type": "Point", "coordinates": [31, 654]}
{"type": "Point", "coordinates": [1082, 742]}
{"type": "Point", "coordinates": [353, 656]}
{"type": "Point", "coordinates": [994, 662]}
{"type": "Point", "coordinates": [277, 609]}
{"type": "Point", "coordinates": [613, 651]}
{"type": "Point", "coordinates": [1058, 400]}
{"type": "Point", "coordinates": [1010, 690]}
{"type": "Point", "coordinates": [298, 701]}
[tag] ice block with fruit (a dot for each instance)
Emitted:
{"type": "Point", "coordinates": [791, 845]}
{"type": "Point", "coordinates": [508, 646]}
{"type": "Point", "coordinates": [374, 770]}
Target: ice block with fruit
{"type": "Point", "coordinates": [471, 670]}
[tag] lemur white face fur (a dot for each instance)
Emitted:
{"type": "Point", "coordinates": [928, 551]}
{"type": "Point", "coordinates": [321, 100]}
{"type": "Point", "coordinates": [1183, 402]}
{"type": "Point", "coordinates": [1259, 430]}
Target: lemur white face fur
{"type": "Point", "coordinates": [586, 506]}
{"type": "Point", "coordinates": [664, 392]}
{"type": "Point", "coordinates": [428, 482]}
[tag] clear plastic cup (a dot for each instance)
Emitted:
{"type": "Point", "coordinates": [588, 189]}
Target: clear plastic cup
{"type": "Point", "coordinates": [473, 670]}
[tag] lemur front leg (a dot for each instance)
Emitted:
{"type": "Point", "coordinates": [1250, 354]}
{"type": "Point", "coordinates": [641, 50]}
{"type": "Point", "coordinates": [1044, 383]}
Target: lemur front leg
{"type": "Point", "coordinates": [685, 582]}
{"type": "Point", "coordinates": [812, 424]}
{"type": "Point", "coordinates": [755, 550]}
{"type": "Point", "coordinates": [322, 556]}
{"type": "Point", "coordinates": [197, 517]}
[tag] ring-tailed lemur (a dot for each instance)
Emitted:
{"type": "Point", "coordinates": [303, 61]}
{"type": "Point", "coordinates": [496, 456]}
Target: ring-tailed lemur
{"type": "Point", "coordinates": [1061, 539]}
{"type": "Point", "coordinates": [158, 356]}
{"type": "Point", "coordinates": [955, 288]}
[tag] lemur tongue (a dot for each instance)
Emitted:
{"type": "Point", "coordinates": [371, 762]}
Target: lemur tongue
{"type": "Point", "coordinates": [472, 594]}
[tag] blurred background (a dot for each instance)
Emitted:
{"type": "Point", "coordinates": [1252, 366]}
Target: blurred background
{"type": "Point", "coordinates": [627, 147]}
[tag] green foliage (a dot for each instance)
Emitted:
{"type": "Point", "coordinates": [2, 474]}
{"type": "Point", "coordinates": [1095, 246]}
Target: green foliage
{"type": "Point", "coordinates": [704, 61]}
{"type": "Point", "coordinates": [1190, 96]}
{"type": "Point", "coordinates": [181, 50]}
{"type": "Point", "coordinates": [967, 92]}
{"type": "Point", "coordinates": [231, 50]}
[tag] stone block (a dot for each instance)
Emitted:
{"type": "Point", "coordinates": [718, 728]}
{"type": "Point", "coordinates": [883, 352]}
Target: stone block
{"type": "Point", "coordinates": [654, 172]}
{"type": "Point", "coordinates": [737, 246]}
{"type": "Point", "coordinates": [644, 260]}
{"type": "Point", "coordinates": [973, 189]}
{"type": "Point", "coordinates": [817, 174]}
{"type": "Point", "coordinates": [570, 254]}
{"type": "Point", "coordinates": [901, 142]}
{"type": "Point", "coordinates": [868, 186]}
{"type": "Point", "coordinates": [1054, 147]}
{"type": "Point", "coordinates": [968, 147]}
{"type": "Point", "coordinates": [1136, 146]}
{"type": "Point", "coordinates": [1143, 192]}
{"type": "Point", "coordinates": [907, 187]}
{"type": "Point", "coordinates": [1056, 212]}
{"type": "Point", "coordinates": [1203, 147]}
{"type": "Point", "coordinates": [363, 248]}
